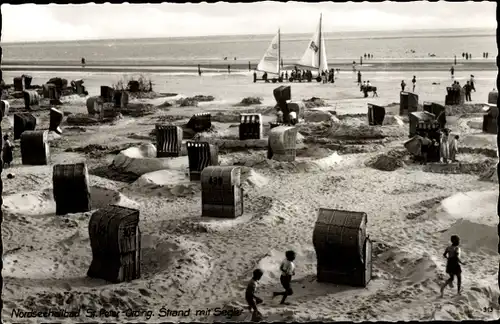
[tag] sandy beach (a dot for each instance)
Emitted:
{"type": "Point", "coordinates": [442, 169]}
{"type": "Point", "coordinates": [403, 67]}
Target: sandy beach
{"type": "Point", "coordinates": [190, 262]}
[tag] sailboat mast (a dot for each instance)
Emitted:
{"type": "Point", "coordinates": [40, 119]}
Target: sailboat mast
{"type": "Point", "coordinates": [279, 53]}
{"type": "Point", "coordinates": [319, 45]}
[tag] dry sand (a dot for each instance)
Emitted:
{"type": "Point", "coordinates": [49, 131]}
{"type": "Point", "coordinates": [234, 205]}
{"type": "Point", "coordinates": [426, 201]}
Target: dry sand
{"type": "Point", "coordinates": [199, 264]}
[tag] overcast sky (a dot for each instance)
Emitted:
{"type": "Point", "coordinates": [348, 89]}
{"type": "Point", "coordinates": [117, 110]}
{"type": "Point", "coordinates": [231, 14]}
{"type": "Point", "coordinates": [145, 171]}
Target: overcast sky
{"type": "Point", "coordinates": [30, 22]}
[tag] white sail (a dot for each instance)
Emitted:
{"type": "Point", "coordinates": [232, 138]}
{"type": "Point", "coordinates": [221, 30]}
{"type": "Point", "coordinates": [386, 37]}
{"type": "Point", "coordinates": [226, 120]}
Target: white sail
{"type": "Point", "coordinates": [315, 54]}
{"type": "Point", "coordinates": [270, 62]}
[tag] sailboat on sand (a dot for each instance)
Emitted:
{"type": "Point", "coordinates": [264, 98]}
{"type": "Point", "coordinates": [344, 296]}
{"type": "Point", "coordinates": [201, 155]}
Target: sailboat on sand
{"type": "Point", "coordinates": [315, 54]}
{"type": "Point", "coordinates": [271, 61]}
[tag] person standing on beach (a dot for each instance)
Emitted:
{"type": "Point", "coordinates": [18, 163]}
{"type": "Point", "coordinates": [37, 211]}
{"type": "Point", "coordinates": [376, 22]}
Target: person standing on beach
{"type": "Point", "coordinates": [472, 83]}
{"type": "Point", "coordinates": [359, 77]}
{"type": "Point", "coordinates": [454, 148]}
{"type": "Point", "coordinates": [452, 71]}
{"type": "Point", "coordinates": [466, 56]}
{"type": "Point", "coordinates": [468, 90]}
{"type": "Point", "coordinates": [452, 255]}
{"type": "Point", "coordinates": [425, 145]}
{"type": "Point", "coordinates": [7, 149]}
{"type": "Point", "coordinates": [445, 146]}
{"type": "Point", "coordinates": [414, 82]}
{"type": "Point", "coordinates": [287, 271]}
{"type": "Point", "coordinates": [403, 85]}
{"type": "Point", "coordinates": [251, 299]}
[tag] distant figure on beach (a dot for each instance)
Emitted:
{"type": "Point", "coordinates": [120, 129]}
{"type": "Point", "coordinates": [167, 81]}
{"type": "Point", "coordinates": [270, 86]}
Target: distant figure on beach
{"type": "Point", "coordinates": [287, 271]}
{"type": "Point", "coordinates": [445, 146]}
{"type": "Point", "coordinates": [359, 77]}
{"type": "Point", "coordinates": [472, 83]}
{"type": "Point", "coordinates": [454, 148]}
{"type": "Point", "coordinates": [228, 68]}
{"type": "Point", "coordinates": [251, 298]}
{"type": "Point", "coordinates": [83, 61]}
{"type": "Point", "coordinates": [468, 90]}
{"type": "Point", "coordinates": [414, 82]}
{"type": "Point", "coordinates": [286, 75]}
{"type": "Point", "coordinates": [463, 55]}
{"type": "Point", "coordinates": [452, 71]}
{"type": "Point", "coordinates": [199, 70]}
{"type": "Point", "coordinates": [403, 85]}
{"type": "Point", "coordinates": [425, 145]}
{"type": "Point", "coordinates": [466, 56]}
{"type": "Point", "coordinates": [452, 255]}
{"type": "Point", "coordinates": [225, 58]}
{"type": "Point", "coordinates": [353, 66]}
{"type": "Point", "coordinates": [7, 149]}
{"type": "Point", "coordinates": [235, 58]}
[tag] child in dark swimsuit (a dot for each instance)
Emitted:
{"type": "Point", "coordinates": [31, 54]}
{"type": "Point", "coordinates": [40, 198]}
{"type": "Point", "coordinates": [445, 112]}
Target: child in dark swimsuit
{"type": "Point", "coordinates": [452, 254]}
{"type": "Point", "coordinates": [250, 297]}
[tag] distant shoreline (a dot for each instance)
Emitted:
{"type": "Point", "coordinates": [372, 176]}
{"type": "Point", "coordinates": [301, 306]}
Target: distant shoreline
{"type": "Point", "coordinates": [430, 64]}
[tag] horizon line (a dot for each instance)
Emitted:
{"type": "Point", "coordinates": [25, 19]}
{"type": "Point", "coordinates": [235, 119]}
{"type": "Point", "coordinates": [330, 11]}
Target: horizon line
{"type": "Point", "coordinates": [230, 35]}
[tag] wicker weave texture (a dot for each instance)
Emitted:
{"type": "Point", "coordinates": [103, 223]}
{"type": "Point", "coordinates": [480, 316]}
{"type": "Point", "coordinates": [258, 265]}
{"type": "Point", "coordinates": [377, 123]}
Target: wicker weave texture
{"type": "Point", "coordinates": [200, 122]}
{"type": "Point", "coordinates": [221, 193]}
{"type": "Point", "coordinates": [115, 239]}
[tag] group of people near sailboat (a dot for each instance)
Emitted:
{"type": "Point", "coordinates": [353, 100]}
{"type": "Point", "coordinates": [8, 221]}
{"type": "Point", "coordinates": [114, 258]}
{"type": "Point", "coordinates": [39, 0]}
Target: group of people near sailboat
{"type": "Point", "coordinates": [314, 58]}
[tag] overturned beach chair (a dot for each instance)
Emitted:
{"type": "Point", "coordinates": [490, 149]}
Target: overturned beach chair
{"type": "Point", "coordinates": [115, 239]}
{"type": "Point", "coordinates": [221, 192]}
{"type": "Point", "coordinates": [201, 155]}
{"type": "Point", "coordinates": [200, 122]}
{"type": "Point", "coordinates": [56, 118]}
{"type": "Point", "coordinates": [376, 115]}
{"type": "Point", "coordinates": [343, 249]}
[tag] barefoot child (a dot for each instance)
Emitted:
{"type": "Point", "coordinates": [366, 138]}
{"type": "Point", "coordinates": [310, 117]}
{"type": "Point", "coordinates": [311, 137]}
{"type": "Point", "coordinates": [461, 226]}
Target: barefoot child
{"type": "Point", "coordinates": [453, 262]}
{"type": "Point", "coordinates": [287, 271]}
{"type": "Point", "coordinates": [250, 297]}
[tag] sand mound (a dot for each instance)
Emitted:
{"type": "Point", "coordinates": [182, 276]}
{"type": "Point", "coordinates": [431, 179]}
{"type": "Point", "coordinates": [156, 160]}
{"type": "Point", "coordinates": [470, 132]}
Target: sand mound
{"type": "Point", "coordinates": [476, 168]}
{"type": "Point", "coordinates": [173, 183]}
{"type": "Point", "coordinates": [187, 102]}
{"type": "Point", "coordinates": [474, 236]}
{"type": "Point", "coordinates": [490, 175]}
{"type": "Point", "coordinates": [251, 101]}
{"type": "Point", "coordinates": [315, 102]}
{"type": "Point", "coordinates": [41, 203]}
{"type": "Point", "coordinates": [226, 117]}
{"type": "Point", "coordinates": [317, 116]}
{"type": "Point", "coordinates": [138, 109]}
{"type": "Point", "coordinates": [251, 178]}
{"type": "Point", "coordinates": [81, 120]}
{"type": "Point", "coordinates": [390, 161]}
{"type": "Point", "coordinates": [478, 206]}
{"type": "Point", "coordinates": [141, 160]}
{"type": "Point", "coordinates": [464, 109]}
{"type": "Point", "coordinates": [259, 161]}
{"type": "Point", "coordinates": [393, 120]}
